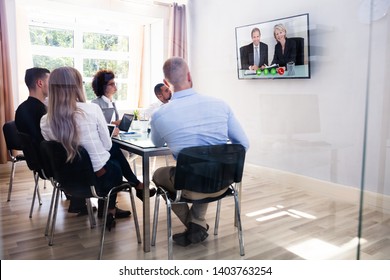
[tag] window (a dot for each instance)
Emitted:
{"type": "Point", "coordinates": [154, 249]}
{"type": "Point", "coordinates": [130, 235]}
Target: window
{"type": "Point", "coordinates": [43, 38]}
{"type": "Point", "coordinates": [105, 42]}
{"type": "Point", "coordinates": [87, 51]}
{"type": "Point", "coordinates": [128, 38]}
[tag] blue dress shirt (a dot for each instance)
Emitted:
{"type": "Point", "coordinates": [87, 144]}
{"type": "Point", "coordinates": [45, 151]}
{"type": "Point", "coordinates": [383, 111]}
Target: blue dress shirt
{"type": "Point", "coordinates": [191, 119]}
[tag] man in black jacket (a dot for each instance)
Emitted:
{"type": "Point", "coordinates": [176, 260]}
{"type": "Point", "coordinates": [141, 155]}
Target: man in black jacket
{"type": "Point", "coordinates": [254, 51]}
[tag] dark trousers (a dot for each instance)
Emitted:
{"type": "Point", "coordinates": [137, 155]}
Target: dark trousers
{"type": "Point", "coordinates": [116, 167]}
{"type": "Point", "coordinates": [110, 179]}
{"type": "Point", "coordinates": [117, 155]}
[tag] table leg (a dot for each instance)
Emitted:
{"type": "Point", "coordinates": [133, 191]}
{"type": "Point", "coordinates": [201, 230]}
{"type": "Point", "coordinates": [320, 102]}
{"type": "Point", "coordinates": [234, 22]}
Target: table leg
{"type": "Point", "coordinates": [146, 203]}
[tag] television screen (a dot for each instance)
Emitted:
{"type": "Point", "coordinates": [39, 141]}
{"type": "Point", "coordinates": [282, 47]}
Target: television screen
{"type": "Point", "coordinates": [275, 49]}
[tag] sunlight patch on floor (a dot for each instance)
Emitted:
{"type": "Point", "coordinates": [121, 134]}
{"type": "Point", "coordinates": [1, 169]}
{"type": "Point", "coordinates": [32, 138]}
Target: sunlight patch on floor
{"type": "Point", "coordinates": [316, 249]}
{"type": "Point", "coordinates": [278, 211]}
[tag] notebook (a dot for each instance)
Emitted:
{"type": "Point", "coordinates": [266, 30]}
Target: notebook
{"type": "Point", "coordinates": [125, 123]}
{"type": "Point", "coordinates": [108, 112]}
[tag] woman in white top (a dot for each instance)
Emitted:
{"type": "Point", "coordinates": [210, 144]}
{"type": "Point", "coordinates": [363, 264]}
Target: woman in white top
{"type": "Point", "coordinates": [73, 122]}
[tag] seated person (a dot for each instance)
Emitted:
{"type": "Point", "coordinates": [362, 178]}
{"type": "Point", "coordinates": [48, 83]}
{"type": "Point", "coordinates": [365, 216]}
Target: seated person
{"type": "Point", "coordinates": [28, 116]}
{"type": "Point", "coordinates": [285, 49]}
{"type": "Point", "coordinates": [163, 94]}
{"type": "Point", "coordinates": [78, 123]}
{"type": "Point", "coordinates": [104, 87]}
{"type": "Point", "coordinates": [190, 119]}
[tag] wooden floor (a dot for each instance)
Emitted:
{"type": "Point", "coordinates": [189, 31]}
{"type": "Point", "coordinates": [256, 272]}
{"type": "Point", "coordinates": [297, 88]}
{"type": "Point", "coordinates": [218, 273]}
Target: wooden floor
{"type": "Point", "coordinates": [281, 222]}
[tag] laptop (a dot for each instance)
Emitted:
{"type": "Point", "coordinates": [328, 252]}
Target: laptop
{"type": "Point", "coordinates": [126, 121]}
{"type": "Point", "coordinates": [108, 112]}
{"type": "Point", "coordinates": [111, 128]}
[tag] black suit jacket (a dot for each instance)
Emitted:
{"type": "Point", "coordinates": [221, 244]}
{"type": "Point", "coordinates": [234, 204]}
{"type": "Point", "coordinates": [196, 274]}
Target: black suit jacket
{"type": "Point", "coordinates": [247, 57]}
{"type": "Point", "coordinates": [28, 118]}
{"type": "Point", "coordinates": [290, 53]}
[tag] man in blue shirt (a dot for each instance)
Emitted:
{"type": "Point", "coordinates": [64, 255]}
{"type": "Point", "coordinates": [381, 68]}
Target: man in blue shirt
{"type": "Point", "coordinates": [190, 119]}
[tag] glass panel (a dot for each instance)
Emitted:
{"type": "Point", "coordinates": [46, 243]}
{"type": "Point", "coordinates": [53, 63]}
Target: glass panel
{"type": "Point", "coordinates": [105, 42]}
{"type": "Point", "coordinates": [51, 37]}
{"type": "Point", "coordinates": [374, 216]}
{"type": "Point", "coordinates": [51, 62]}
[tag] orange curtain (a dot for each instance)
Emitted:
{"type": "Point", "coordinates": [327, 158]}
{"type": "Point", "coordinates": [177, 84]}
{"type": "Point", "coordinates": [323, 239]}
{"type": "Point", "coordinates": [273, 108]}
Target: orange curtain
{"type": "Point", "coordinates": [6, 97]}
{"type": "Point", "coordinates": [178, 32]}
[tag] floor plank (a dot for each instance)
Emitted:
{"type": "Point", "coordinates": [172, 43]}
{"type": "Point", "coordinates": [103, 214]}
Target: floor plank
{"type": "Point", "coordinates": [280, 221]}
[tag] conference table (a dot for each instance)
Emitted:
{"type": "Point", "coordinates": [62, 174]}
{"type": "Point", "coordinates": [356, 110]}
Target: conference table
{"type": "Point", "coordinates": [139, 143]}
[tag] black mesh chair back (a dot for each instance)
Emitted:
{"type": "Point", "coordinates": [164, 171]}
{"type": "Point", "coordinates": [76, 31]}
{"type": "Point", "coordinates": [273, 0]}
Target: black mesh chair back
{"type": "Point", "coordinates": [32, 155]}
{"type": "Point", "coordinates": [52, 159]}
{"type": "Point", "coordinates": [11, 136]}
{"type": "Point", "coordinates": [208, 169]}
{"type": "Point", "coordinates": [13, 144]}
{"type": "Point", "coordinates": [205, 169]}
{"type": "Point", "coordinates": [77, 179]}
{"type": "Point", "coordinates": [300, 47]}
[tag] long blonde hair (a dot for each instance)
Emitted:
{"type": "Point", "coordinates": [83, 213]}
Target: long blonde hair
{"type": "Point", "coordinates": [65, 90]}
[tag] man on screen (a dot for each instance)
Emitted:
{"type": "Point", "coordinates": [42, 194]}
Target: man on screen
{"type": "Point", "coordinates": [254, 55]}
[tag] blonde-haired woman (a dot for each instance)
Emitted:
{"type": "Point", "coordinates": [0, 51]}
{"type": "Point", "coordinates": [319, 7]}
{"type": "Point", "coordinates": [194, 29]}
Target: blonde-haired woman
{"type": "Point", "coordinates": [73, 122]}
{"type": "Point", "coordinates": [285, 49]}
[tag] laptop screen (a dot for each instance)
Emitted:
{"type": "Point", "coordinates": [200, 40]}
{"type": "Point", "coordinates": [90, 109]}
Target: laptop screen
{"type": "Point", "coordinates": [111, 129]}
{"type": "Point", "coordinates": [125, 123]}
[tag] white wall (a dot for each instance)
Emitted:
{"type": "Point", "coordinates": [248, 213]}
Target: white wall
{"type": "Point", "coordinates": [332, 101]}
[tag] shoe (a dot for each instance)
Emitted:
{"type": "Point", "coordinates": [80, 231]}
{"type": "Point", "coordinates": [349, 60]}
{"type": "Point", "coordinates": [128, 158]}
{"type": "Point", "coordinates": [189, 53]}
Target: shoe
{"type": "Point", "coordinates": [181, 239]}
{"type": "Point", "coordinates": [77, 205]}
{"type": "Point", "coordinates": [119, 214]}
{"type": "Point", "coordinates": [139, 193]}
{"type": "Point", "coordinates": [110, 223]}
{"type": "Point", "coordinates": [194, 234]}
{"type": "Point", "coordinates": [197, 233]}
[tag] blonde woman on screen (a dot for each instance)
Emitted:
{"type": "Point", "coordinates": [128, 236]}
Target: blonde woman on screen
{"type": "Point", "coordinates": [285, 48]}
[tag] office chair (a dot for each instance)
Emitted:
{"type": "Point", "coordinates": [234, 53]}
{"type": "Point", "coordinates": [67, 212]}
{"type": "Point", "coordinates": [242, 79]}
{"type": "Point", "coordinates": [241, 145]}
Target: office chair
{"type": "Point", "coordinates": [204, 169]}
{"type": "Point", "coordinates": [13, 144]}
{"type": "Point", "coordinates": [31, 153]}
{"type": "Point", "coordinates": [78, 179]}
{"type": "Point", "coordinates": [300, 47]}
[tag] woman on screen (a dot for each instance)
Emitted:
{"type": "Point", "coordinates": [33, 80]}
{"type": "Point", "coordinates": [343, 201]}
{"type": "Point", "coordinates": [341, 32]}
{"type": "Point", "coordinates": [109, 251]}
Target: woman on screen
{"type": "Point", "coordinates": [285, 49]}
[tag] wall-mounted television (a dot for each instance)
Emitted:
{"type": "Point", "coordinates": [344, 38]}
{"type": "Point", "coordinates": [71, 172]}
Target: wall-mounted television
{"type": "Point", "coordinates": [275, 49]}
